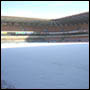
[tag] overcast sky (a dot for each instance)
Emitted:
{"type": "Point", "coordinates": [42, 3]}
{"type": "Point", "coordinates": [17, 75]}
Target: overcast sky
{"type": "Point", "coordinates": [43, 9]}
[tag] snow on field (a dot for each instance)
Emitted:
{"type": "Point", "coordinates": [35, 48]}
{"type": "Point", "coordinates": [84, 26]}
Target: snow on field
{"type": "Point", "coordinates": [14, 45]}
{"type": "Point", "coordinates": [58, 66]}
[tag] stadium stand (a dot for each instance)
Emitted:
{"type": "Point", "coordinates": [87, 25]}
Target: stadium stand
{"type": "Point", "coordinates": [77, 25]}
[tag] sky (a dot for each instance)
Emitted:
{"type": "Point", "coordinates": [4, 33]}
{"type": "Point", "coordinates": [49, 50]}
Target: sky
{"type": "Point", "coordinates": [43, 9]}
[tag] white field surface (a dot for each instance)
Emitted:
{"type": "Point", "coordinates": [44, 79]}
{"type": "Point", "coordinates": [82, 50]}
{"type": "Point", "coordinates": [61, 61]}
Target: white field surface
{"type": "Point", "coordinates": [45, 65]}
{"type": "Point", "coordinates": [15, 45]}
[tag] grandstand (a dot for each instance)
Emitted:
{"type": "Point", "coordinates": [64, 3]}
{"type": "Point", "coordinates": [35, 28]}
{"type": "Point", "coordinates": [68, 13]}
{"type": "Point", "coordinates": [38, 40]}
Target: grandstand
{"type": "Point", "coordinates": [67, 29]}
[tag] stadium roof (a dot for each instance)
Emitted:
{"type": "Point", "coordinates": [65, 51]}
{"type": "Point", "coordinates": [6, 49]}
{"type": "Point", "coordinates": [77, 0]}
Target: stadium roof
{"type": "Point", "coordinates": [79, 18]}
{"type": "Point", "coordinates": [74, 19]}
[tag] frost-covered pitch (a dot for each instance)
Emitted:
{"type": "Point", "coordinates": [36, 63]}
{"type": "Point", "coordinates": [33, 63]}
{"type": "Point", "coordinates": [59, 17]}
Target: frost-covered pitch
{"type": "Point", "coordinates": [61, 66]}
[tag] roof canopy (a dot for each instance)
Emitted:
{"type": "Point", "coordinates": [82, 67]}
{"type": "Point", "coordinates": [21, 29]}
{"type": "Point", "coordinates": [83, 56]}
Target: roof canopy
{"type": "Point", "coordinates": [74, 19]}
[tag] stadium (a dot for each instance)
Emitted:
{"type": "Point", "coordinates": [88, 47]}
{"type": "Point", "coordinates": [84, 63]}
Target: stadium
{"type": "Point", "coordinates": [73, 28]}
{"type": "Point", "coordinates": [45, 45]}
